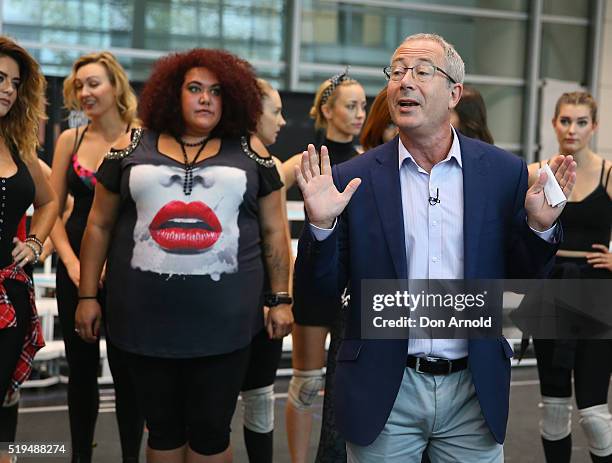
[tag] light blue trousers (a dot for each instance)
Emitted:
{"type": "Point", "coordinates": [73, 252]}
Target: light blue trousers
{"type": "Point", "coordinates": [439, 413]}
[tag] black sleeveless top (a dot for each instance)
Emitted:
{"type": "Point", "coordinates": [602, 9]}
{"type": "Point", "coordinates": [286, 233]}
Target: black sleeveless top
{"type": "Point", "coordinates": [81, 182]}
{"type": "Point", "coordinates": [339, 152]}
{"type": "Point", "coordinates": [588, 221]}
{"type": "Point", "coordinates": [16, 195]}
{"type": "Point", "coordinates": [309, 309]}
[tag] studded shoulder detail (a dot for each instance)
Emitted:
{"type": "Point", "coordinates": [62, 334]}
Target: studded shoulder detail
{"type": "Point", "coordinates": [135, 136]}
{"type": "Point", "coordinates": [266, 162]}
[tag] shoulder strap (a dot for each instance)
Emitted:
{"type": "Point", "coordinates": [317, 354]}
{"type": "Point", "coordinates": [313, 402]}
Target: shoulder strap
{"type": "Point", "coordinates": [135, 137]}
{"type": "Point", "coordinates": [13, 150]}
{"type": "Point", "coordinates": [78, 140]}
{"type": "Point", "coordinates": [603, 166]}
{"type": "Point", "coordinates": [605, 185]}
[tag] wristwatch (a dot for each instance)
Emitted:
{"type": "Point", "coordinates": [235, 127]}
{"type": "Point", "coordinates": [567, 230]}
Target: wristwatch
{"type": "Point", "coordinates": [274, 299]}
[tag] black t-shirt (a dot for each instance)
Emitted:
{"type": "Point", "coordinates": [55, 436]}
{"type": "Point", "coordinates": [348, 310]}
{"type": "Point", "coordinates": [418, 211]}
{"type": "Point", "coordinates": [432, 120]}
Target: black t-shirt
{"type": "Point", "coordinates": [185, 272]}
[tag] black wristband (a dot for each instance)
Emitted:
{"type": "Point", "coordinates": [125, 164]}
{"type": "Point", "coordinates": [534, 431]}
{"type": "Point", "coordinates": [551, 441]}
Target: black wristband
{"type": "Point", "coordinates": [80, 298]}
{"type": "Point", "coordinates": [274, 299]}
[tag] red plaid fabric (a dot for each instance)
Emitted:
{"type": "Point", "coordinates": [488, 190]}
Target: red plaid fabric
{"type": "Point", "coordinates": [34, 338]}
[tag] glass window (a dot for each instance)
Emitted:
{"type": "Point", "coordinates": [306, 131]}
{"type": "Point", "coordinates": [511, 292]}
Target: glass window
{"type": "Point", "coordinates": [254, 29]}
{"type": "Point", "coordinates": [508, 5]}
{"type": "Point", "coordinates": [367, 36]}
{"type": "Point", "coordinates": [504, 112]}
{"type": "Point", "coordinates": [310, 81]}
{"type": "Point", "coordinates": [573, 8]}
{"type": "Point", "coordinates": [564, 52]}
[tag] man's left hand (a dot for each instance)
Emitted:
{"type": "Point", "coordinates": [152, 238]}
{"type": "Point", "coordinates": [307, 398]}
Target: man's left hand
{"type": "Point", "coordinates": [540, 215]}
{"type": "Point", "coordinates": [279, 321]}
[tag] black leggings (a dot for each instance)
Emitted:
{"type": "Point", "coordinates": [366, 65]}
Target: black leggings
{"type": "Point", "coordinates": [263, 361]}
{"type": "Point", "coordinates": [189, 400]}
{"type": "Point", "coordinates": [11, 339]}
{"type": "Point", "coordinates": [83, 392]}
{"type": "Point", "coordinates": [592, 368]}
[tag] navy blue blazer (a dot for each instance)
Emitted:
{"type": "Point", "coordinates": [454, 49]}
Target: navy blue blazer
{"type": "Point", "coordinates": [368, 243]}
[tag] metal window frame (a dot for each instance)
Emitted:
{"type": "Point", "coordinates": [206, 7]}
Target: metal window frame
{"type": "Point", "coordinates": [295, 66]}
{"type": "Point", "coordinates": [133, 53]}
{"type": "Point", "coordinates": [375, 71]}
{"type": "Point", "coordinates": [598, 20]}
{"type": "Point", "coordinates": [531, 82]}
{"type": "Point", "coordinates": [433, 8]}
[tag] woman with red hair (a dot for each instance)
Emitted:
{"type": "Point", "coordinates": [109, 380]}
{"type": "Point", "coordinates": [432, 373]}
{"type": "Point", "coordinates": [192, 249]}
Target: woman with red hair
{"type": "Point", "coordinates": [193, 206]}
{"type": "Point", "coordinates": [378, 127]}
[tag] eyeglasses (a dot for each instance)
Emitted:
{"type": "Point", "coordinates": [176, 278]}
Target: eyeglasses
{"type": "Point", "coordinates": [423, 72]}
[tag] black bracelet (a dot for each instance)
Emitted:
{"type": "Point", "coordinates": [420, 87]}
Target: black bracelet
{"type": "Point", "coordinates": [80, 298]}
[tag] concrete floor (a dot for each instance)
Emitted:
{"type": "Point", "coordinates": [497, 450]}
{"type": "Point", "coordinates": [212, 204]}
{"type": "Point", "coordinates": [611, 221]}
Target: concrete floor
{"type": "Point", "coordinates": [38, 421]}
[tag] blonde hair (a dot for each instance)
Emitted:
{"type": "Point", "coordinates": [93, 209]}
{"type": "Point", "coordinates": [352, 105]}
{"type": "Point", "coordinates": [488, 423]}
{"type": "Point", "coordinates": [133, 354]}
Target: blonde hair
{"type": "Point", "coordinates": [315, 111]}
{"type": "Point", "coordinates": [577, 99]}
{"type": "Point", "coordinates": [20, 125]}
{"type": "Point", "coordinates": [126, 98]}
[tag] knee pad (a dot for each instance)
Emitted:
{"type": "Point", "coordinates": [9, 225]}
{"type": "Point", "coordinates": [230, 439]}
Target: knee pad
{"type": "Point", "coordinates": [258, 407]}
{"type": "Point", "coordinates": [597, 425]}
{"type": "Point", "coordinates": [556, 423]}
{"type": "Point", "coordinates": [304, 387]}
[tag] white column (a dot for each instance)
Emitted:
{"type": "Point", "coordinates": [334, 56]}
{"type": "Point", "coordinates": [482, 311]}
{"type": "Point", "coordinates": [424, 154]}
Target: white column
{"type": "Point", "coordinates": [604, 138]}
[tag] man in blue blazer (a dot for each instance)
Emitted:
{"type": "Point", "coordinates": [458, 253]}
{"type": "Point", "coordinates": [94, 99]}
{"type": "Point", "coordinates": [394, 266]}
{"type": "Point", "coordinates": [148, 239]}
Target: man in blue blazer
{"type": "Point", "coordinates": [428, 204]}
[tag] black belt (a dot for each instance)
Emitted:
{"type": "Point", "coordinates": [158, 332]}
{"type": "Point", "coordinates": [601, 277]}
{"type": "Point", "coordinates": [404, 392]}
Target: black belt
{"type": "Point", "coordinates": [436, 366]}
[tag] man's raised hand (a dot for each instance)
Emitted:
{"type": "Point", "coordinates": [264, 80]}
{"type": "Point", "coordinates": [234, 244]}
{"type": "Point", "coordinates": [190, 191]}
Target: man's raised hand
{"type": "Point", "coordinates": [540, 215]}
{"type": "Point", "coordinates": [322, 200]}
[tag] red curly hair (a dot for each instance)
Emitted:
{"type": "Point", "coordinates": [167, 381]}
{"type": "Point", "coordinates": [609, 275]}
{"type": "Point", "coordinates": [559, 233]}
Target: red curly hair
{"type": "Point", "coordinates": [377, 121]}
{"type": "Point", "coordinates": [160, 101]}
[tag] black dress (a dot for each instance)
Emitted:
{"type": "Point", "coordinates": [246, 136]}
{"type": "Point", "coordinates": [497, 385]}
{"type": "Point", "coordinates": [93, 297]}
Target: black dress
{"type": "Point", "coordinates": [84, 358]}
{"type": "Point", "coordinates": [16, 195]}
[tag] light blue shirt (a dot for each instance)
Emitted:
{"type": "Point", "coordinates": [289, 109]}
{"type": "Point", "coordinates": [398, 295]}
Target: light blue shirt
{"type": "Point", "coordinates": [433, 234]}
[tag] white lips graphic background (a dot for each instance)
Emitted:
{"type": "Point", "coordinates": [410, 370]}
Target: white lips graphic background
{"type": "Point", "coordinates": [220, 188]}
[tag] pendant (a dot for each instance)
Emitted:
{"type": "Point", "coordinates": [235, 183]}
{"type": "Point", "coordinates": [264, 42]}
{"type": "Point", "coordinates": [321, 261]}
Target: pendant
{"type": "Point", "coordinates": [188, 181]}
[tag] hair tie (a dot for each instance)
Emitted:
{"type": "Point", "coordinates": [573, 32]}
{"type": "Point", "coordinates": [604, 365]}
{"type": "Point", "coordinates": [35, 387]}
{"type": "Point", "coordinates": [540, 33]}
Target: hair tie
{"type": "Point", "coordinates": [334, 82]}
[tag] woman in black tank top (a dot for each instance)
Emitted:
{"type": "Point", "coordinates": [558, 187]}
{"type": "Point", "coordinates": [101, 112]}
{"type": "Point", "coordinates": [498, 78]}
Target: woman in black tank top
{"type": "Point", "coordinates": [584, 253]}
{"type": "Point", "coordinates": [22, 183]}
{"type": "Point", "coordinates": [99, 87]}
{"type": "Point", "coordinates": [339, 109]}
